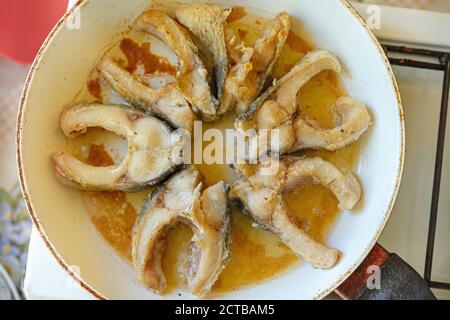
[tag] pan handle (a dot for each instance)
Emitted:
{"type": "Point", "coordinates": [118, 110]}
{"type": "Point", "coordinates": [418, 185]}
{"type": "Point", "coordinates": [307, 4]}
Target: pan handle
{"type": "Point", "coordinates": [384, 276]}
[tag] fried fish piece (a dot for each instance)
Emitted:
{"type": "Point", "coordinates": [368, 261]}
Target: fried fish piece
{"type": "Point", "coordinates": [351, 120]}
{"type": "Point", "coordinates": [280, 129]}
{"type": "Point", "coordinates": [166, 102]}
{"type": "Point", "coordinates": [303, 171]}
{"type": "Point", "coordinates": [192, 76]}
{"type": "Point", "coordinates": [207, 23]}
{"type": "Point", "coordinates": [260, 196]}
{"type": "Point", "coordinates": [183, 199]}
{"type": "Point", "coordinates": [247, 78]}
{"type": "Point", "coordinates": [154, 151]}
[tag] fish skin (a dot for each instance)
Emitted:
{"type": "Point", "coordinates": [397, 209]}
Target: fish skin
{"type": "Point", "coordinates": [330, 62]}
{"type": "Point", "coordinates": [207, 23]}
{"type": "Point", "coordinates": [192, 76]}
{"type": "Point", "coordinates": [167, 102]}
{"type": "Point", "coordinates": [247, 78]}
{"type": "Point", "coordinates": [183, 199]}
{"type": "Point", "coordinates": [260, 197]}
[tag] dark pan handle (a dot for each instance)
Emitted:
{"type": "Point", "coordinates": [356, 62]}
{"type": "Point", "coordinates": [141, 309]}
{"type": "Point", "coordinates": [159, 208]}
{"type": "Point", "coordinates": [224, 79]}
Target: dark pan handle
{"type": "Point", "coordinates": [384, 276]}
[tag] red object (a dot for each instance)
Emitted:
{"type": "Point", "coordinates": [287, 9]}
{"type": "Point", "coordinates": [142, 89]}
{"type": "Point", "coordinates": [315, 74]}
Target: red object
{"type": "Point", "coordinates": [24, 25]}
{"type": "Point", "coordinates": [357, 281]}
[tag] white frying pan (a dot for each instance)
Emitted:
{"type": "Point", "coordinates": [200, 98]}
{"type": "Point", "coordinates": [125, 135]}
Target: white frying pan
{"type": "Point", "coordinates": [63, 65]}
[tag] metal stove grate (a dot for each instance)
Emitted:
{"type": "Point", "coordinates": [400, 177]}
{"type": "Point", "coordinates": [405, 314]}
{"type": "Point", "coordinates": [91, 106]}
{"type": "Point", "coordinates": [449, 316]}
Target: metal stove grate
{"type": "Point", "coordinates": [442, 63]}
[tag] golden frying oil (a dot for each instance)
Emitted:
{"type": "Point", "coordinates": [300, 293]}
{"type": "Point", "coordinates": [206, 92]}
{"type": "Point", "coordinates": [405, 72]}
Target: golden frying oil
{"type": "Point", "coordinates": [141, 54]}
{"type": "Point", "coordinates": [95, 89]}
{"type": "Point", "coordinates": [111, 213]}
{"type": "Point", "coordinates": [257, 255]}
{"type": "Point", "coordinates": [236, 14]}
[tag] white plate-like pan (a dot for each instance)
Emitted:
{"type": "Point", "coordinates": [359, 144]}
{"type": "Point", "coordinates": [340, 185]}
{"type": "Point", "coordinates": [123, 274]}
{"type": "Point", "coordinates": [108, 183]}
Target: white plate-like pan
{"type": "Point", "coordinates": [63, 65]}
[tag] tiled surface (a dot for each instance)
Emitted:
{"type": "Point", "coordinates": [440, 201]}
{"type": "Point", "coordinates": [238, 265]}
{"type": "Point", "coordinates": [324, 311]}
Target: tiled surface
{"type": "Point", "coordinates": [12, 77]}
{"type": "Point", "coordinates": [15, 225]}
